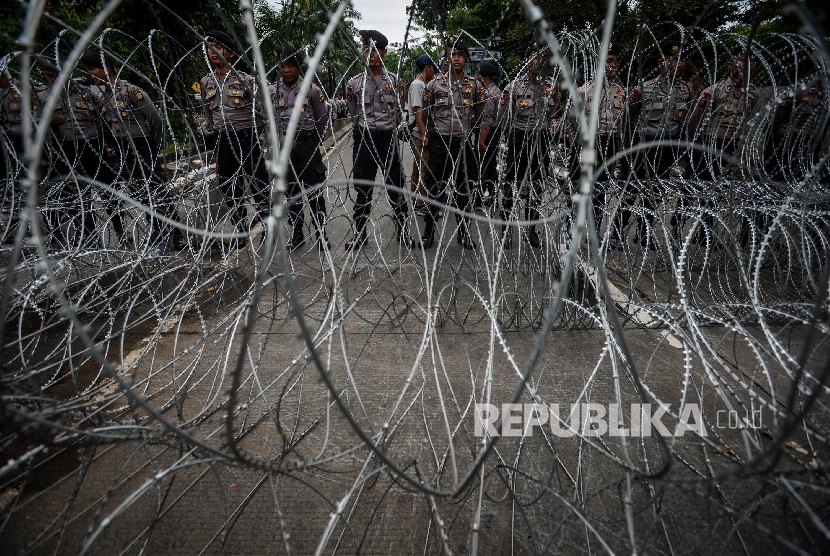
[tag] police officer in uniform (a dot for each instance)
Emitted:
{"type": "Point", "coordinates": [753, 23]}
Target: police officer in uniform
{"type": "Point", "coordinates": [717, 121]}
{"type": "Point", "coordinates": [720, 113]}
{"type": "Point", "coordinates": [375, 98]}
{"type": "Point", "coordinates": [233, 120]}
{"type": "Point", "coordinates": [453, 102]}
{"type": "Point", "coordinates": [136, 129]}
{"type": "Point", "coordinates": [489, 131]}
{"type": "Point", "coordinates": [306, 162]}
{"type": "Point", "coordinates": [77, 149]}
{"type": "Point", "coordinates": [11, 146]}
{"type": "Point", "coordinates": [612, 106]}
{"type": "Point", "coordinates": [657, 109]}
{"type": "Point", "coordinates": [526, 109]}
{"type": "Point", "coordinates": [798, 128]}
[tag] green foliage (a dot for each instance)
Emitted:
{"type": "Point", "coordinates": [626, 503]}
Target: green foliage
{"type": "Point", "coordinates": [299, 24]}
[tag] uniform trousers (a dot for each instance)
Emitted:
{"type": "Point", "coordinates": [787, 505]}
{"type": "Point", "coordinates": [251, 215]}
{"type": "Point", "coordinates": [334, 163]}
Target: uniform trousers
{"type": "Point", "coordinates": [373, 150]}
{"type": "Point", "coordinates": [528, 160]}
{"type": "Point", "coordinates": [647, 165]}
{"type": "Point", "coordinates": [69, 199]}
{"type": "Point", "coordinates": [306, 168]}
{"type": "Point", "coordinates": [138, 165]}
{"type": "Point", "coordinates": [489, 161]}
{"type": "Point", "coordinates": [10, 166]}
{"type": "Point", "coordinates": [606, 147]}
{"type": "Point", "coordinates": [451, 162]}
{"type": "Point", "coordinates": [419, 168]}
{"type": "Point", "coordinates": [238, 152]}
{"type": "Point", "coordinates": [708, 166]}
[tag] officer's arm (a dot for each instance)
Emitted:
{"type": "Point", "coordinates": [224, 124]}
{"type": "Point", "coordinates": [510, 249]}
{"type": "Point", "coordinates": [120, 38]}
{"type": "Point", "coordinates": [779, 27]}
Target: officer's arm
{"type": "Point", "coordinates": [321, 112]}
{"type": "Point", "coordinates": [635, 106]}
{"type": "Point", "coordinates": [480, 104]}
{"type": "Point", "coordinates": [423, 113]}
{"type": "Point", "coordinates": [146, 107]}
{"type": "Point", "coordinates": [701, 104]}
{"type": "Point", "coordinates": [351, 104]}
{"type": "Point", "coordinates": [503, 102]}
{"type": "Point", "coordinates": [207, 125]}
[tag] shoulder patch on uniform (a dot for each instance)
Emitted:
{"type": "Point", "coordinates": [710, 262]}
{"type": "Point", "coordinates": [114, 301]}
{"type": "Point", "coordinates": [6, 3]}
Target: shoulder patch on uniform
{"type": "Point", "coordinates": [349, 93]}
{"type": "Point", "coordinates": [136, 93]}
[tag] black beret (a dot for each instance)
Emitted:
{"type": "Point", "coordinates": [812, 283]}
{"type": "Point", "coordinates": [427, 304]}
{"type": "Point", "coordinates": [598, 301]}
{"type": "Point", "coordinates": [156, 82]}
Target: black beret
{"type": "Point", "coordinates": [613, 49]}
{"type": "Point", "coordinates": [93, 60]}
{"type": "Point", "coordinates": [670, 48]}
{"type": "Point", "coordinates": [47, 63]}
{"type": "Point", "coordinates": [222, 38]}
{"type": "Point", "coordinates": [380, 39]}
{"type": "Point", "coordinates": [454, 43]}
{"type": "Point", "coordinates": [488, 68]}
{"type": "Point", "coordinates": [533, 48]}
{"type": "Point", "coordinates": [740, 51]}
{"type": "Point", "coordinates": [287, 53]}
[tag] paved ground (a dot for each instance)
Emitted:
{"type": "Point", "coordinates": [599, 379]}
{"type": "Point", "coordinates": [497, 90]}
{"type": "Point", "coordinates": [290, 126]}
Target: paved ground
{"type": "Point", "coordinates": [411, 340]}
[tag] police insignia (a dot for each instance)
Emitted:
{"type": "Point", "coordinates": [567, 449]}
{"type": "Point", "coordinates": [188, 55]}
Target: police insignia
{"type": "Point", "coordinates": [388, 86]}
{"type": "Point", "coordinates": [322, 98]}
{"type": "Point", "coordinates": [805, 98]}
{"type": "Point", "coordinates": [482, 94]}
{"type": "Point", "coordinates": [349, 94]}
{"type": "Point", "coordinates": [728, 88]}
{"type": "Point", "coordinates": [813, 89]}
{"type": "Point", "coordinates": [124, 114]}
{"type": "Point", "coordinates": [15, 95]}
{"type": "Point", "coordinates": [619, 91]}
{"type": "Point", "coordinates": [548, 88]}
{"type": "Point", "coordinates": [15, 106]}
{"type": "Point", "coordinates": [683, 89]}
{"type": "Point", "coordinates": [236, 100]}
{"type": "Point", "coordinates": [680, 114]}
{"type": "Point", "coordinates": [210, 93]}
{"type": "Point", "coordinates": [618, 103]}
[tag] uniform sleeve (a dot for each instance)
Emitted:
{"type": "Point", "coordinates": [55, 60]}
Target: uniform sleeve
{"type": "Point", "coordinates": [491, 110]}
{"type": "Point", "coordinates": [351, 103]}
{"type": "Point", "coordinates": [480, 104]}
{"type": "Point", "coordinates": [635, 106]}
{"type": "Point", "coordinates": [701, 104]}
{"type": "Point", "coordinates": [318, 104]}
{"type": "Point", "coordinates": [504, 100]}
{"type": "Point", "coordinates": [145, 106]}
{"type": "Point", "coordinates": [207, 125]}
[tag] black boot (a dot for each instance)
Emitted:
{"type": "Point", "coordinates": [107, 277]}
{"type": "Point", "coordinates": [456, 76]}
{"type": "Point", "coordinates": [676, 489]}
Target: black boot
{"type": "Point", "coordinates": [403, 232]}
{"type": "Point", "coordinates": [297, 238]}
{"type": "Point", "coordinates": [506, 237]}
{"type": "Point", "coordinates": [429, 233]}
{"type": "Point", "coordinates": [463, 236]}
{"type": "Point", "coordinates": [532, 238]}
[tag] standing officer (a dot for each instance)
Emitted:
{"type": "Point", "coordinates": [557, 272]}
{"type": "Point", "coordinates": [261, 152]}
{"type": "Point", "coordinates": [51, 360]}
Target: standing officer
{"type": "Point", "coordinates": [489, 132]}
{"type": "Point", "coordinates": [77, 149]}
{"type": "Point", "coordinates": [526, 108]}
{"type": "Point", "coordinates": [136, 128]}
{"type": "Point", "coordinates": [306, 162]}
{"type": "Point", "coordinates": [233, 119]}
{"type": "Point", "coordinates": [426, 71]}
{"type": "Point", "coordinates": [717, 121]}
{"type": "Point", "coordinates": [657, 109]}
{"type": "Point", "coordinates": [798, 128]}
{"type": "Point", "coordinates": [720, 113]}
{"type": "Point", "coordinates": [609, 132]}
{"type": "Point", "coordinates": [375, 98]}
{"type": "Point", "coordinates": [11, 143]}
{"type": "Point", "coordinates": [453, 102]}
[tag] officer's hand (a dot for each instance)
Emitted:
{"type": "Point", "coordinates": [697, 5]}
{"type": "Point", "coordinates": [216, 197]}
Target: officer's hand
{"type": "Point", "coordinates": [481, 146]}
